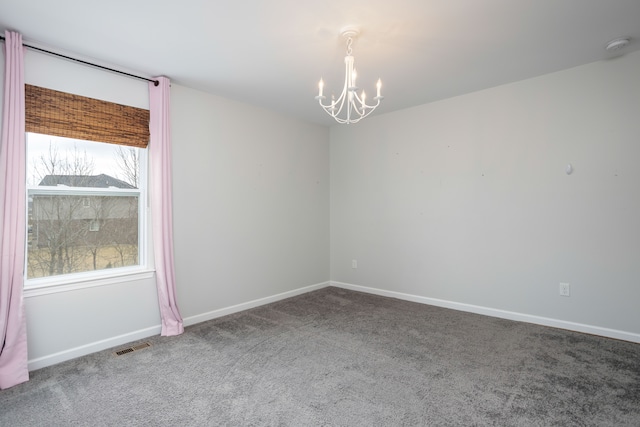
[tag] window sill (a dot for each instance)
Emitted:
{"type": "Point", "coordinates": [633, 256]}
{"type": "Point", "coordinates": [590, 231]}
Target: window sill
{"type": "Point", "coordinates": [55, 285]}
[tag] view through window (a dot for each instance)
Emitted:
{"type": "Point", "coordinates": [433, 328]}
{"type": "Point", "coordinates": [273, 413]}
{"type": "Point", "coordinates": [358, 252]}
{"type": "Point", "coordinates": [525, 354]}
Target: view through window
{"type": "Point", "coordinates": [85, 205]}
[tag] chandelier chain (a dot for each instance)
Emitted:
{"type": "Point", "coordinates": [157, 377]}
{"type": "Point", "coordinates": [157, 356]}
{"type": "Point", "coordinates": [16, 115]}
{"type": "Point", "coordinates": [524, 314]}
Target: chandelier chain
{"type": "Point", "coordinates": [349, 43]}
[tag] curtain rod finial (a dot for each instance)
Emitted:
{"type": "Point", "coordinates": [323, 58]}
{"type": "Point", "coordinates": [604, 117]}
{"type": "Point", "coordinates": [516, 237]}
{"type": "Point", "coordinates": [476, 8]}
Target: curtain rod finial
{"type": "Point", "coordinates": [156, 82]}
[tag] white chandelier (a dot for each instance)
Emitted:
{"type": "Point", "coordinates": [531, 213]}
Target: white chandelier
{"type": "Point", "coordinates": [349, 107]}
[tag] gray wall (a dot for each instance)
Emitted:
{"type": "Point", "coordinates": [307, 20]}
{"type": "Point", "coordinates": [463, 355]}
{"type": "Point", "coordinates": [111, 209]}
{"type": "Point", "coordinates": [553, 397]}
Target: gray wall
{"type": "Point", "coordinates": [251, 218]}
{"type": "Point", "coordinates": [251, 202]}
{"type": "Point", "coordinates": [465, 202]}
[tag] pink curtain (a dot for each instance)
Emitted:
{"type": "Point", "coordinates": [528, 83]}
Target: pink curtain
{"type": "Point", "coordinates": [161, 205]}
{"type": "Point", "coordinates": [13, 324]}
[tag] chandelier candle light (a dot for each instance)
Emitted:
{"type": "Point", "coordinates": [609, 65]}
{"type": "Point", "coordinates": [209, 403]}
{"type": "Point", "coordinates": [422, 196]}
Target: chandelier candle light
{"type": "Point", "coordinates": [349, 107]}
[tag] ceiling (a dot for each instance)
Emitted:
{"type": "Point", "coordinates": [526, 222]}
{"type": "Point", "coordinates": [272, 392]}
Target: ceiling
{"type": "Point", "coordinates": [271, 53]}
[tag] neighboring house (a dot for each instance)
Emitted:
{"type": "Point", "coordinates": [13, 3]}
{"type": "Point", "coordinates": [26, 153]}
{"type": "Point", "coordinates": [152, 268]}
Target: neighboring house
{"type": "Point", "coordinates": [83, 222]}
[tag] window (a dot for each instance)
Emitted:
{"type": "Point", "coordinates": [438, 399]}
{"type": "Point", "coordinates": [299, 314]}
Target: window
{"type": "Point", "coordinates": [85, 204]}
{"type": "Point", "coordinates": [86, 199]}
{"type": "Point", "coordinates": [94, 225]}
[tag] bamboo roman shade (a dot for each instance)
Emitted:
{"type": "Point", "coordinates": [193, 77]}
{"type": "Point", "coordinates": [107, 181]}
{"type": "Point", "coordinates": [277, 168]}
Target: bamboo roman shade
{"type": "Point", "coordinates": [72, 116]}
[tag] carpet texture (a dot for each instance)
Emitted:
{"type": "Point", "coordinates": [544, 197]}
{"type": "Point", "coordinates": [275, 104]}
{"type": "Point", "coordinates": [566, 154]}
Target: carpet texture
{"type": "Point", "coordinates": [341, 358]}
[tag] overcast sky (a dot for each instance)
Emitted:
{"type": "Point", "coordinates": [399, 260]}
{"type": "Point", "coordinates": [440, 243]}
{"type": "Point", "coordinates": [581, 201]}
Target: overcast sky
{"type": "Point", "coordinates": [103, 155]}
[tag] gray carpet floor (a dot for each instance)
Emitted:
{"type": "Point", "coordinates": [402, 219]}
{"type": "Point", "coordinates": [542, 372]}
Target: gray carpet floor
{"type": "Point", "coordinates": [340, 358]}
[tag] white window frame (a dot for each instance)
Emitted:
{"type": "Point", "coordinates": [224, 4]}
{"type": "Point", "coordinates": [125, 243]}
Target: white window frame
{"type": "Point", "coordinates": [69, 281]}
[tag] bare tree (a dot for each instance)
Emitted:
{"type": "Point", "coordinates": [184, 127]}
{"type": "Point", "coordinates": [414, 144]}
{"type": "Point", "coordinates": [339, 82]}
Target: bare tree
{"type": "Point", "coordinates": [46, 165]}
{"type": "Point", "coordinates": [73, 163]}
{"type": "Point", "coordinates": [99, 210]}
{"type": "Point", "coordinates": [54, 248]}
{"type": "Point", "coordinates": [124, 233]}
{"type": "Point", "coordinates": [57, 229]}
{"type": "Point", "coordinates": [129, 163]}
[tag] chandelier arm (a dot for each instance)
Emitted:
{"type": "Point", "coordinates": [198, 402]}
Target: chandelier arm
{"type": "Point", "coordinates": [332, 106]}
{"type": "Point", "coordinates": [335, 108]}
{"type": "Point", "coordinates": [341, 100]}
{"type": "Point", "coordinates": [357, 104]}
{"type": "Point", "coordinates": [371, 108]}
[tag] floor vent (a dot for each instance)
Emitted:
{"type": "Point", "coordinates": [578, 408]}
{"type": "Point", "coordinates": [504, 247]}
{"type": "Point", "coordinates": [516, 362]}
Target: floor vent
{"type": "Point", "coordinates": [132, 349]}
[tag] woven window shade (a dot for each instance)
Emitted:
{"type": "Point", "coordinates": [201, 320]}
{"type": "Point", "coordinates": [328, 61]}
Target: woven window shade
{"type": "Point", "coordinates": [72, 116]}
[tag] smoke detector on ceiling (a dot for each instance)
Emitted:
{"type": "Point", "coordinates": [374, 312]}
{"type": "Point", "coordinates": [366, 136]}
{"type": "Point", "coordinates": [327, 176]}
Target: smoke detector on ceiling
{"type": "Point", "coordinates": [617, 44]}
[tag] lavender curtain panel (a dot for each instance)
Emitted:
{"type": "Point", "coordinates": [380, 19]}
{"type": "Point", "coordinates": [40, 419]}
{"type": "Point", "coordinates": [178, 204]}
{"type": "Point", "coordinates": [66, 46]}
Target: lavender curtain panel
{"type": "Point", "coordinates": [161, 205]}
{"type": "Point", "coordinates": [13, 324]}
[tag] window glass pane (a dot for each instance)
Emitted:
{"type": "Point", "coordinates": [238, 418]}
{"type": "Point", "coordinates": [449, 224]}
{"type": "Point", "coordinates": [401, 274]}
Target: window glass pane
{"type": "Point", "coordinates": [56, 156]}
{"type": "Point", "coordinates": [66, 236]}
{"type": "Point", "coordinates": [83, 203]}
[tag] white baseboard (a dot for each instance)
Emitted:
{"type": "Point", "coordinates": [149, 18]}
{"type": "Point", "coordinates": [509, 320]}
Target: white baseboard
{"type": "Point", "coordinates": [503, 314]}
{"type": "Point", "coordinates": [93, 347]}
{"type": "Point", "coordinates": [83, 350]}
{"type": "Point", "coordinates": [192, 320]}
{"type": "Point", "coordinates": [72, 353]}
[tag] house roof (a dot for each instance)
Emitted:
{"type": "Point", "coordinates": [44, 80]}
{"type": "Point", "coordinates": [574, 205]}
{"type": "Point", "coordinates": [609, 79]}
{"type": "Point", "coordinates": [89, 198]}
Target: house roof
{"type": "Point", "coordinates": [93, 181]}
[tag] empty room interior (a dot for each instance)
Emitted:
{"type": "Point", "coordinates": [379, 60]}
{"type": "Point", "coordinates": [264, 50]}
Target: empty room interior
{"type": "Point", "coordinates": [451, 239]}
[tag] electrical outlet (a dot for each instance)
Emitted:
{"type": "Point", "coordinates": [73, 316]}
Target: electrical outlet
{"type": "Point", "coordinates": [565, 289]}
{"type": "Point", "coordinates": [354, 263]}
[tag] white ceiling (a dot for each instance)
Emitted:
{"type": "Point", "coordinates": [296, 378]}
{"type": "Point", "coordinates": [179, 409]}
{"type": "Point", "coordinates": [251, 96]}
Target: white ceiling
{"type": "Point", "coordinates": [272, 53]}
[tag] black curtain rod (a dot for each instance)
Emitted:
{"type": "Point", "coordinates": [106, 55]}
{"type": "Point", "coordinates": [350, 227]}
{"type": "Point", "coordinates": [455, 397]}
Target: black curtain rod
{"type": "Point", "coordinates": [155, 82]}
